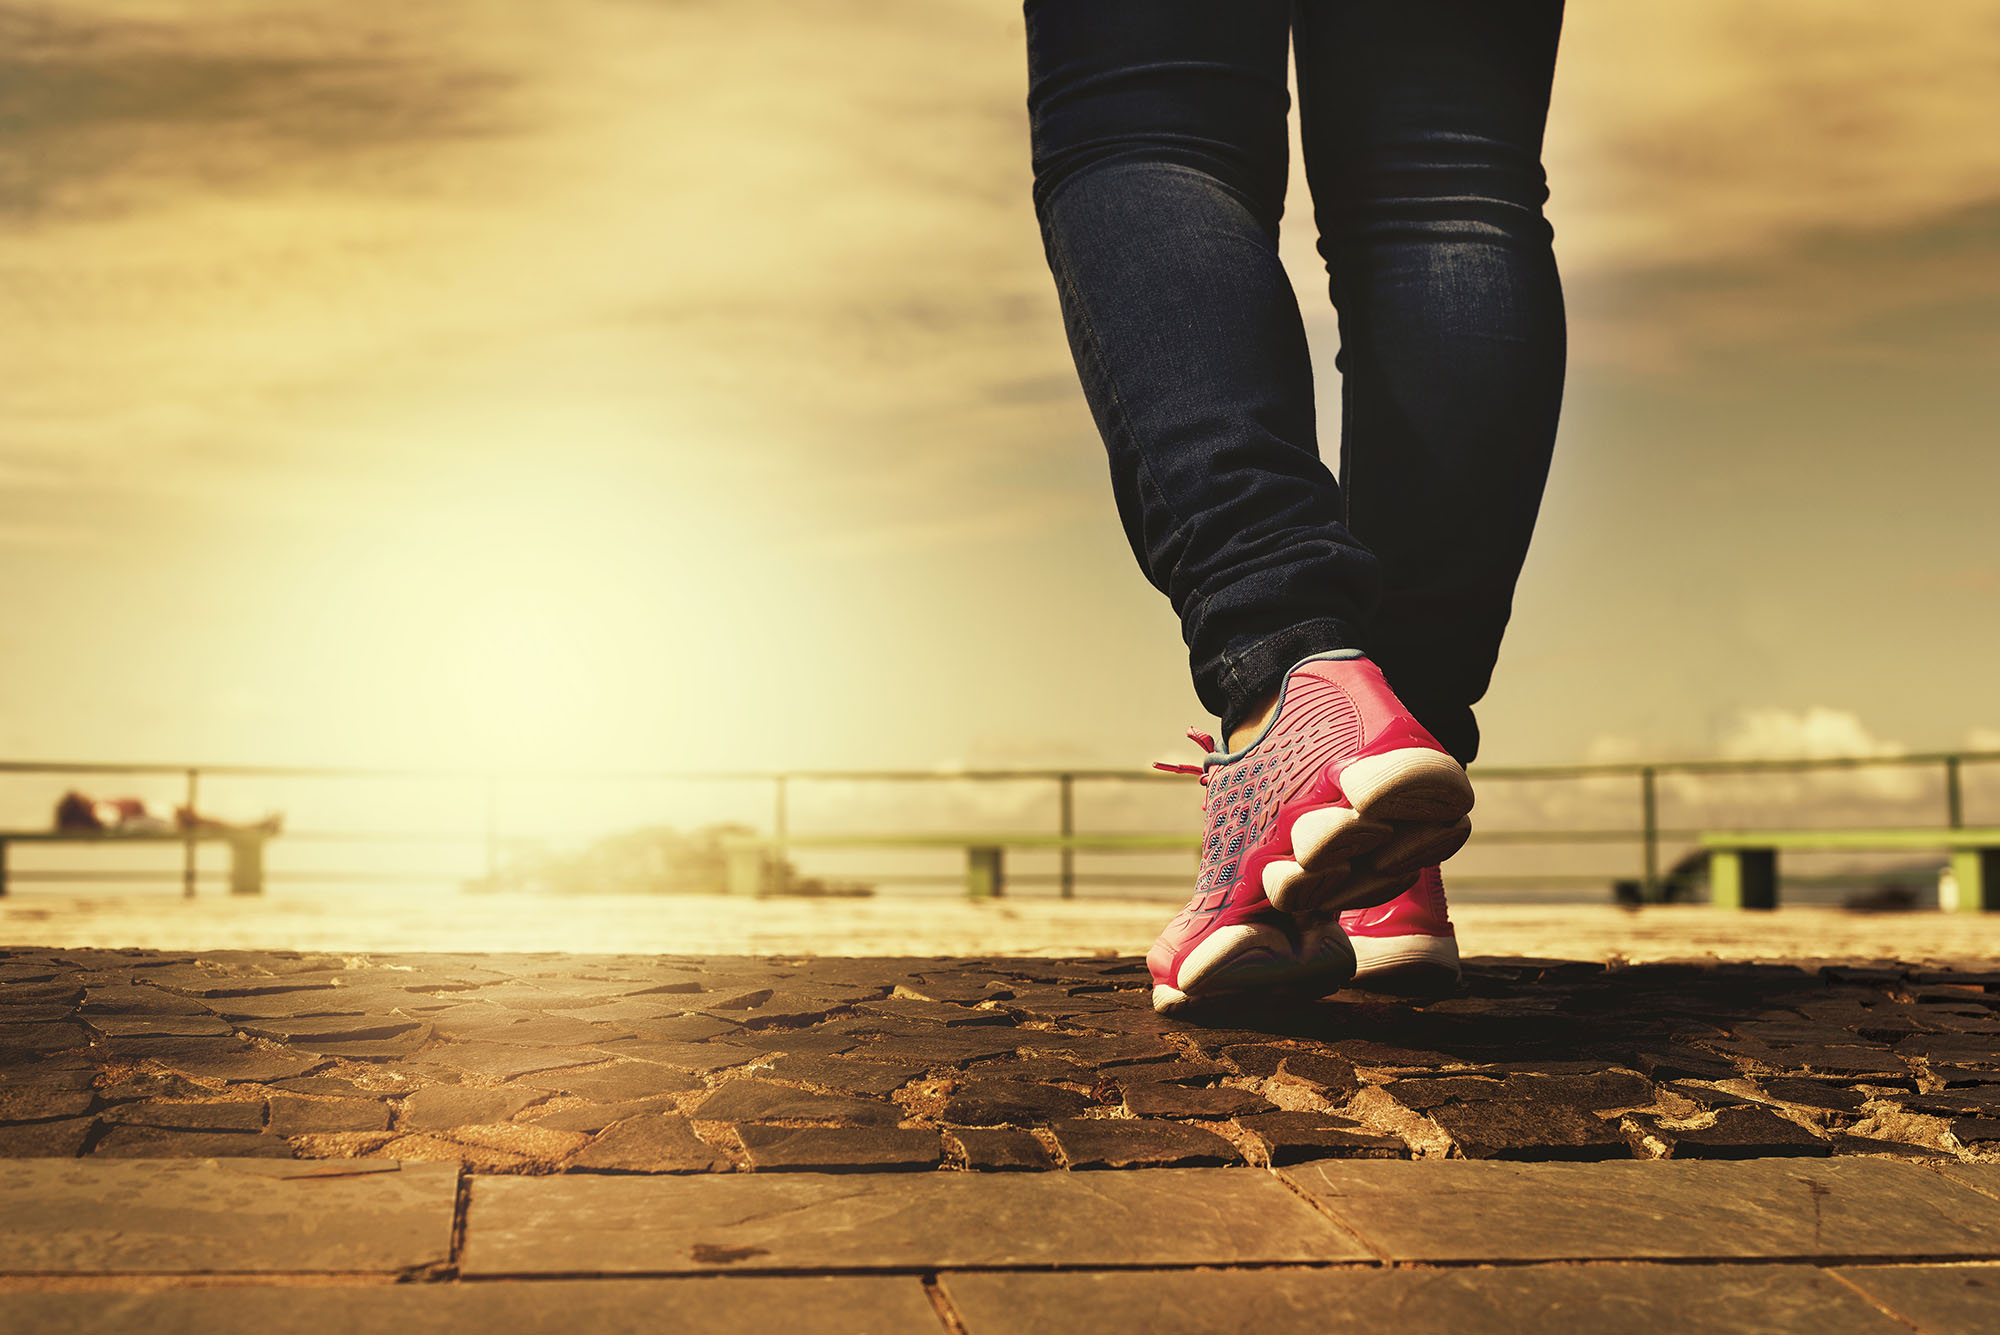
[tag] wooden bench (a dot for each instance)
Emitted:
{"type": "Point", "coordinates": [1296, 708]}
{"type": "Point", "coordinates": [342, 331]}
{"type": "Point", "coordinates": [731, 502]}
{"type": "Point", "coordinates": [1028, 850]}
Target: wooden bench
{"type": "Point", "coordinates": [246, 851]}
{"type": "Point", "coordinates": [985, 854]}
{"type": "Point", "coordinates": [1743, 864]}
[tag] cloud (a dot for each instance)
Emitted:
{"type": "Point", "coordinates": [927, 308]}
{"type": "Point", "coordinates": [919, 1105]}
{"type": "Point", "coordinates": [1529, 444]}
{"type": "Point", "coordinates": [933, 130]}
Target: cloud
{"type": "Point", "coordinates": [1695, 129]}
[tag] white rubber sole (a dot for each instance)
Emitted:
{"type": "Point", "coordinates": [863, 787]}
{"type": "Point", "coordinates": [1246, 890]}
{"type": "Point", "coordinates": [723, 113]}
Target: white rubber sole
{"type": "Point", "coordinates": [1409, 810]}
{"type": "Point", "coordinates": [1412, 783]}
{"type": "Point", "coordinates": [1406, 965]}
{"type": "Point", "coordinates": [1253, 957]}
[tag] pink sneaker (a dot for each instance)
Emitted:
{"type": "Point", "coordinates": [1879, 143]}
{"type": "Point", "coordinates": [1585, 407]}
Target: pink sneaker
{"type": "Point", "coordinates": [1337, 804]}
{"type": "Point", "coordinates": [1406, 946]}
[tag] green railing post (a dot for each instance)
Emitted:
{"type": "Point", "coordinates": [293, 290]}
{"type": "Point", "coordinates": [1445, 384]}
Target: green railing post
{"type": "Point", "coordinates": [779, 821]}
{"type": "Point", "coordinates": [1649, 801]}
{"type": "Point", "coordinates": [189, 854]}
{"type": "Point", "coordinates": [1068, 796]}
{"type": "Point", "coordinates": [1954, 794]}
{"type": "Point", "coordinates": [492, 830]}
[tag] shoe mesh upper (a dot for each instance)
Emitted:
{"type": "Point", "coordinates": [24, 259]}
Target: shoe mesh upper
{"type": "Point", "coordinates": [1317, 723]}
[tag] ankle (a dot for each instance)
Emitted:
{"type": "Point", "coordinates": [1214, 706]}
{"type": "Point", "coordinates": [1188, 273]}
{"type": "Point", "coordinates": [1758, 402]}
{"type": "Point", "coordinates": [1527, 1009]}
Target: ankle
{"type": "Point", "coordinates": [1258, 719]}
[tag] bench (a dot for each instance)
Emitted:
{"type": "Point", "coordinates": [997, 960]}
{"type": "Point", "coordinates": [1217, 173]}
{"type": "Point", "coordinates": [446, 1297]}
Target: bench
{"type": "Point", "coordinates": [985, 854]}
{"type": "Point", "coordinates": [246, 851]}
{"type": "Point", "coordinates": [1743, 864]}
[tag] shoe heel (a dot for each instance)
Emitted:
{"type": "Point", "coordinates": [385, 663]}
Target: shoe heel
{"type": "Point", "coordinates": [1412, 784]}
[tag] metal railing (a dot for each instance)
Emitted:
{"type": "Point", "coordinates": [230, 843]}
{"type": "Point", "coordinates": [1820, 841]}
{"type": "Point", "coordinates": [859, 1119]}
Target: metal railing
{"type": "Point", "coordinates": [1647, 832]}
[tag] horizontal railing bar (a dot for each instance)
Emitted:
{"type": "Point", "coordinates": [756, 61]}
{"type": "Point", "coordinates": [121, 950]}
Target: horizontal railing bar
{"type": "Point", "coordinates": [1604, 769]}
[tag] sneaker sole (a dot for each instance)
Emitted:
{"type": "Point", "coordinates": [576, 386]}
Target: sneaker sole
{"type": "Point", "coordinates": [1406, 966]}
{"type": "Point", "coordinates": [1252, 957]}
{"type": "Point", "coordinates": [1409, 810]}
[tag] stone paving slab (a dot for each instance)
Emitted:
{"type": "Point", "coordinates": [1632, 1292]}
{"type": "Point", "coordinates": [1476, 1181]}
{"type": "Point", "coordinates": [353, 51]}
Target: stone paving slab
{"type": "Point", "coordinates": [663, 1225]}
{"type": "Point", "coordinates": [745, 1305]}
{"type": "Point", "coordinates": [1457, 1210]}
{"type": "Point", "coordinates": [656, 1064]}
{"type": "Point", "coordinates": [223, 1216]}
{"type": "Point", "coordinates": [1936, 1299]}
{"type": "Point", "coordinates": [1613, 1299]}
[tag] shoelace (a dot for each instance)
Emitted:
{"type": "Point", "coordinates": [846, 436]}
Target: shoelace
{"type": "Point", "coordinates": [1200, 739]}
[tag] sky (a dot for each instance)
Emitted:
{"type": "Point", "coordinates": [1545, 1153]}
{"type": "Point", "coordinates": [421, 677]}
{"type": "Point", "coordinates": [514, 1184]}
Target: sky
{"type": "Point", "coordinates": [680, 384]}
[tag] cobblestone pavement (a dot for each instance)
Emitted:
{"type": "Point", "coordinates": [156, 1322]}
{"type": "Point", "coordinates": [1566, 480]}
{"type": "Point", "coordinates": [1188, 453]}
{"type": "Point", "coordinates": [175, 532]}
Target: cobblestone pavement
{"type": "Point", "coordinates": [748, 1140]}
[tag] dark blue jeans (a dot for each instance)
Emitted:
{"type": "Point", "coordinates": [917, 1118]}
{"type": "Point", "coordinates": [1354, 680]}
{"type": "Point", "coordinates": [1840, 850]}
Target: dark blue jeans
{"type": "Point", "coordinates": [1160, 161]}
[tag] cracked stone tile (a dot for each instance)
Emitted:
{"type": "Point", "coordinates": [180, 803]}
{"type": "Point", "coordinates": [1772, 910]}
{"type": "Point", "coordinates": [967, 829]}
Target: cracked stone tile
{"type": "Point", "coordinates": [1707, 1097]}
{"type": "Point", "coordinates": [633, 1011]}
{"type": "Point", "coordinates": [285, 1005]}
{"type": "Point", "coordinates": [892, 1305]}
{"type": "Point", "coordinates": [255, 1066]}
{"type": "Point", "coordinates": [369, 1049]}
{"type": "Point", "coordinates": [1294, 1137]}
{"type": "Point", "coordinates": [1982, 1131]}
{"type": "Point", "coordinates": [839, 1148]}
{"type": "Point", "coordinates": [328, 1085]}
{"type": "Point", "coordinates": [303, 1029]}
{"type": "Point", "coordinates": [98, 1217]}
{"type": "Point", "coordinates": [1595, 1299]}
{"type": "Point", "coordinates": [1680, 1063]}
{"type": "Point", "coordinates": [618, 1082]}
{"type": "Point", "coordinates": [152, 1085]}
{"type": "Point", "coordinates": [1119, 1143]}
{"type": "Point", "coordinates": [701, 1058]}
{"type": "Point", "coordinates": [60, 1139]}
{"type": "Point", "coordinates": [1978, 1100]}
{"type": "Point", "coordinates": [780, 1008]}
{"type": "Point", "coordinates": [240, 1115]}
{"type": "Point", "coordinates": [933, 1012]}
{"type": "Point", "coordinates": [292, 1115]}
{"type": "Point", "coordinates": [1814, 1094]}
{"type": "Point", "coordinates": [519, 996]}
{"type": "Point", "coordinates": [834, 1221]}
{"type": "Point", "coordinates": [964, 991]}
{"type": "Point", "coordinates": [502, 1060]}
{"type": "Point", "coordinates": [442, 1107]}
{"type": "Point", "coordinates": [1841, 1060]}
{"type": "Point", "coordinates": [166, 1142]}
{"type": "Point", "coordinates": [594, 1117]}
{"type": "Point", "coordinates": [746, 1100]}
{"type": "Point", "coordinates": [195, 981]}
{"type": "Point", "coordinates": [654, 1143]}
{"type": "Point", "coordinates": [172, 1049]}
{"type": "Point", "coordinates": [139, 999]}
{"type": "Point", "coordinates": [948, 1047]}
{"type": "Point", "coordinates": [1515, 1129]}
{"type": "Point", "coordinates": [842, 1073]}
{"type": "Point", "coordinates": [1944, 1300]}
{"type": "Point", "coordinates": [1449, 1210]}
{"type": "Point", "coordinates": [1961, 1050]}
{"type": "Point", "coordinates": [1097, 1049]}
{"type": "Point", "coordinates": [42, 1102]}
{"type": "Point", "coordinates": [1332, 1078]}
{"type": "Point", "coordinates": [34, 1038]}
{"type": "Point", "coordinates": [1150, 1100]}
{"type": "Point", "coordinates": [691, 1028]}
{"type": "Point", "coordinates": [1422, 1093]}
{"type": "Point", "coordinates": [1000, 1149]}
{"type": "Point", "coordinates": [1009, 1103]}
{"type": "Point", "coordinates": [1739, 1133]}
{"type": "Point", "coordinates": [123, 1027]}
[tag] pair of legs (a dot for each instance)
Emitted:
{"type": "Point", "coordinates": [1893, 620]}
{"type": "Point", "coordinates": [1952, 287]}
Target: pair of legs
{"type": "Point", "coordinates": [1160, 159]}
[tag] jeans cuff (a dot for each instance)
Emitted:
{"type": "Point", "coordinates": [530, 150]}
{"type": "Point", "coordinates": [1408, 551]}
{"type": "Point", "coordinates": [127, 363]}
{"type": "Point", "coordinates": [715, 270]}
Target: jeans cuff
{"type": "Point", "coordinates": [1247, 673]}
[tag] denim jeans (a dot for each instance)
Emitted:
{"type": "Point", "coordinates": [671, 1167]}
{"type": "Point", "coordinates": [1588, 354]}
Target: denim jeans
{"type": "Point", "coordinates": [1160, 162]}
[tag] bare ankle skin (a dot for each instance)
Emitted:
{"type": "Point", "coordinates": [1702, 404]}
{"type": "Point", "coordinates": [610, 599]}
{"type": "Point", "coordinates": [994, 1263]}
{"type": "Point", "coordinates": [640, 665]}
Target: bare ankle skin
{"type": "Point", "coordinates": [1253, 725]}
